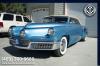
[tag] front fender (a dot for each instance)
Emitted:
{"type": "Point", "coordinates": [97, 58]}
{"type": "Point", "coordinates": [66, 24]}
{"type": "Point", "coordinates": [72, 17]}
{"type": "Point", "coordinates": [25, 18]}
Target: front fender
{"type": "Point", "coordinates": [60, 32]}
{"type": "Point", "coordinates": [15, 30]}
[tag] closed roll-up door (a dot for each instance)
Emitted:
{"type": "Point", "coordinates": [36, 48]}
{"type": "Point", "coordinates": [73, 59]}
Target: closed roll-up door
{"type": "Point", "coordinates": [39, 13]}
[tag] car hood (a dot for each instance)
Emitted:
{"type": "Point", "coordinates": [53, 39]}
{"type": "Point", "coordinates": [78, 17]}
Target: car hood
{"type": "Point", "coordinates": [43, 25]}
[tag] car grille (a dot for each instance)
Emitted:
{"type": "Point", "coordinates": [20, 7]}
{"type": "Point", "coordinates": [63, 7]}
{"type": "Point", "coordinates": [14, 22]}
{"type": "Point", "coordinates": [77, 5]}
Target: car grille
{"type": "Point", "coordinates": [42, 46]}
{"type": "Point", "coordinates": [36, 45]}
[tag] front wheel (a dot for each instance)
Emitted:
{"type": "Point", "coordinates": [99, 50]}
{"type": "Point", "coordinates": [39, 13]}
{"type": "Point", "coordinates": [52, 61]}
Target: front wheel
{"type": "Point", "coordinates": [63, 47]}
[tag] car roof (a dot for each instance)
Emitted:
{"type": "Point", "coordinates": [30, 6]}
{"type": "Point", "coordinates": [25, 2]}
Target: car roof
{"type": "Point", "coordinates": [61, 16]}
{"type": "Point", "coordinates": [56, 16]}
{"type": "Point", "coordinates": [10, 13]}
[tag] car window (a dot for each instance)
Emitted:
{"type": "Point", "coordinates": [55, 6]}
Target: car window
{"type": "Point", "coordinates": [73, 21]}
{"type": "Point", "coordinates": [18, 18]}
{"type": "Point", "coordinates": [76, 21]}
{"type": "Point", "coordinates": [26, 19]}
{"type": "Point", "coordinates": [61, 19]}
{"type": "Point", "coordinates": [47, 20]}
{"type": "Point", "coordinates": [8, 17]}
{"type": "Point", "coordinates": [55, 19]}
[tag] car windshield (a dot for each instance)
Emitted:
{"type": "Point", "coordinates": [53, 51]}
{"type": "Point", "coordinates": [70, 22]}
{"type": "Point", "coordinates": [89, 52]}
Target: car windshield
{"type": "Point", "coordinates": [55, 19]}
{"type": "Point", "coordinates": [26, 19]}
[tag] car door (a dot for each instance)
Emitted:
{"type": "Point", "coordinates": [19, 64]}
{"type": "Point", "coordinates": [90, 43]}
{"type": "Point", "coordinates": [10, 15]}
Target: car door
{"type": "Point", "coordinates": [79, 27]}
{"type": "Point", "coordinates": [75, 29]}
{"type": "Point", "coordinates": [8, 20]}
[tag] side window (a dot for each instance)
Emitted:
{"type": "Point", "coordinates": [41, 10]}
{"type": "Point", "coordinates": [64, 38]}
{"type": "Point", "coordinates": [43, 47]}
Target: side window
{"type": "Point", "coordinates": [61, 19]}
{"type": "Point", "coordinates": [76, 21]}
{"type": "Point", "coordinates": [26, 19]}
{"type": "Point", "coordinates": [71, 21]}
{"type": "Point", "coordinates": [8, 17]}
{"type": "Point", "coordinates": [19, 18]}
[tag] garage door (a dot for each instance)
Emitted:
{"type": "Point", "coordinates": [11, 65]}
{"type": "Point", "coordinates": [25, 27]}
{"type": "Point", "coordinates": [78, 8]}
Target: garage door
{"type": "Point", "coordinates": [39, 13]}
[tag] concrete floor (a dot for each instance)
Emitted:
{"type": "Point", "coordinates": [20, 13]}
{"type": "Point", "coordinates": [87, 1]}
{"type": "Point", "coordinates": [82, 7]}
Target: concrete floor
{"type": "Point", "coordinates": [80, 54]}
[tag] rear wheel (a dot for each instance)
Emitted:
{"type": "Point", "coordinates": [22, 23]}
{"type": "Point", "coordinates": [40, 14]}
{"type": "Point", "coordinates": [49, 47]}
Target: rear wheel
{"type": "Point", "coordinates": [85, 33]}
{"type": "Point", "coordinates": [63, 47]}
{"type": "Point", "coordinates": [83, 39]}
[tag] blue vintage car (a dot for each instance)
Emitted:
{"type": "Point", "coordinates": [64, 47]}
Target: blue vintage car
{"type": "Point", "coordinates": [55, 33]}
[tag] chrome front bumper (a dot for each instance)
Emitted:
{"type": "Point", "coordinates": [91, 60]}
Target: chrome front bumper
{"type": "Point", "coordinates": [36, 45]}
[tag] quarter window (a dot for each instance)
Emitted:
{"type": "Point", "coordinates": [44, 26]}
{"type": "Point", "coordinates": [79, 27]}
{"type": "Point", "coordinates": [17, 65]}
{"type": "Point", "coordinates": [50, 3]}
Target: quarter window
{"type": "Point", "coordinates": [74, 21]}
{"type": "Point", "coordinates": [26, 19]}
{"type": "Point", "coordinates": [18, 18]}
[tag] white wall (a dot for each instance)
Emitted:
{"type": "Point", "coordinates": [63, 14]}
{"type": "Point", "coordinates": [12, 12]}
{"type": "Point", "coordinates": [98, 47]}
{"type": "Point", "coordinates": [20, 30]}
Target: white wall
{"type": "Point", "coordinates": [76, 10]}
{"type": "Point", "coordinates": [58, 8]}
{"type": "Point", "coordinates": [91, 24]}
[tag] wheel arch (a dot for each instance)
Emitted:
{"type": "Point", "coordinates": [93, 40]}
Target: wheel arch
{"type": "Point", "coordinates": [68, 38]}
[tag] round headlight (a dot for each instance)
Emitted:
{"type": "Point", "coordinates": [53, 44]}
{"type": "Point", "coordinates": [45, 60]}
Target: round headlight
{"type": "Point", "coordinates": [22, 33]}
{"type": "Point", "coordinates": [50, 31]}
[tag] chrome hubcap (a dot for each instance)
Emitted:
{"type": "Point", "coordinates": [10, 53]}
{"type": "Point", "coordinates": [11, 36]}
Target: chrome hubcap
{"type": "Point", "coordinates": [63, 45]}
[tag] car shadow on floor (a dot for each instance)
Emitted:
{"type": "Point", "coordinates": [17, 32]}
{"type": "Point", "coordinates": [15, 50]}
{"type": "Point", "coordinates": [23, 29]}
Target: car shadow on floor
{"type": "Point", "coordinates": [29, 53]}
{"type": "Point", "coordinates": [5, 35]}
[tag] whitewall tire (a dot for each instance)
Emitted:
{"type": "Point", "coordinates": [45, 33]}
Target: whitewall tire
{"type": "Point", "coordinates": [63, 47]}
